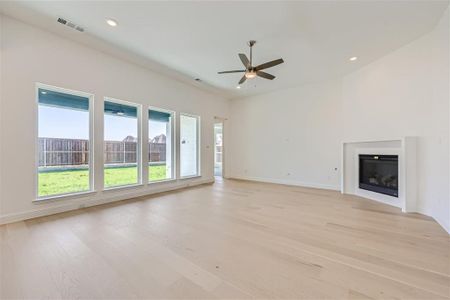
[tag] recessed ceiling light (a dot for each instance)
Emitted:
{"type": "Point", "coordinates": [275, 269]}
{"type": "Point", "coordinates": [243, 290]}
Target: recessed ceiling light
{"type": "Point", "coordinates": [44, 92]}
{"type": "Point", "coordinates": [353, 58]}
{"type": "Point", "coordinates": [238, 87]}
{"type": "Point", "coordinates": [111, 22]}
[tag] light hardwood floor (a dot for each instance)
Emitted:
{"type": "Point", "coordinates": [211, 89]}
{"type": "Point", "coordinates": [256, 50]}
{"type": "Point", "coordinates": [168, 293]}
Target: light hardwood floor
{"type": "Point", "coordinates": [232, 239]}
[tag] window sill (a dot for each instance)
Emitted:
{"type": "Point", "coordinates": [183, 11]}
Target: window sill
{"type": "Point", "coordinates": [63, 196]}
{"type": "Point", "coordinates": [122, 187]}
{"type": "Point", "coordinates": [162, 181]}
{"type": "Point", "coordinates": [190, 177]}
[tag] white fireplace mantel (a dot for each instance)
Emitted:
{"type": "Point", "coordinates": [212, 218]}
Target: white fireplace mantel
{"type": "Point", "coordinates": [404, 147]}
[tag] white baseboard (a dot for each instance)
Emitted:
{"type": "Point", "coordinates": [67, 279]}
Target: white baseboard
{"type": "Point", "coordinates": [108, 198]}
{"type": "Point", "coordinates": [428, 212]}
{"type": "Point", "coordinates": [288, 182]}
{"type": "Point", "coordinates": [445, 225]}
{"type": "Point", "coordinates": [10, 218]}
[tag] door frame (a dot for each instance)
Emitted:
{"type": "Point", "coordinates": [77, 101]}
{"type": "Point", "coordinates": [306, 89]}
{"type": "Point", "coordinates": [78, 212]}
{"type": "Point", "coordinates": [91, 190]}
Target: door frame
{"type": "Point", "coordinates": [220, 120]}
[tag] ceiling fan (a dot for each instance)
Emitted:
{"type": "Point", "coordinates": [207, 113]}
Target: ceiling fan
{"type": "Point", "coordinates": [250, 70]}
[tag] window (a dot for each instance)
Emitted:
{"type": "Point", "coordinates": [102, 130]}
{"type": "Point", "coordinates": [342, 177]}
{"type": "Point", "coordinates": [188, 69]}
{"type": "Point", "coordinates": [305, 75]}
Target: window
{"type": "Point", "coordinates": [64, 142]}
{"type": "Point", "coordinates": [160, 147]}
{"type": "Point", "coordinates": [121, 145]}
{"type": "Point", "coordinates": [189, 141]}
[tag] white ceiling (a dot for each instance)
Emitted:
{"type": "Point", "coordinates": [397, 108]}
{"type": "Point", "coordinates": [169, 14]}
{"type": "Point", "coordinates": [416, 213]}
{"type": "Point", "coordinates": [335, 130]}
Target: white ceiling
{"type": "Point", "coordinates": [186, 40]}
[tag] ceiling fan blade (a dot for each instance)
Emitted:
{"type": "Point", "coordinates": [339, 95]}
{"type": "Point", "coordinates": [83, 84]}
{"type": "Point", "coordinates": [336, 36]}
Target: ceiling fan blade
{"type": "Point", "coordinates": [269, 64]}
{"type": "Point", "coordinates": [244, 60]}
{"type": "Point", "coordinates": [242, 79]}
{"type": "Point", "coordinates": [265, 75]}
{"type": "Point", "coordinates": [234, 71]}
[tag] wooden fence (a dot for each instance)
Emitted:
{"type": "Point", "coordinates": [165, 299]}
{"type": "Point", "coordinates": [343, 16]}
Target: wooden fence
{"type": "Point", "coordinates": [75, 152]}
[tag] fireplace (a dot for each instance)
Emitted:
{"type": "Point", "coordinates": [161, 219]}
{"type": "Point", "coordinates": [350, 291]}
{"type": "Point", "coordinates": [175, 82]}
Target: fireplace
{"type": "Point", "coordinates": [379, 173]}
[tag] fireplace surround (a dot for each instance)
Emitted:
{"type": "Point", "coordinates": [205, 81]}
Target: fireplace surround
{"type": "Point", "coordinates": [404, 148]}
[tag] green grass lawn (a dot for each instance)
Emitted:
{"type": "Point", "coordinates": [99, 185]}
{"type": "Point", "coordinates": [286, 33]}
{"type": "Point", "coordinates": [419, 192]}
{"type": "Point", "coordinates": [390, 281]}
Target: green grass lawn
{"type": "Point", "coordinates": [70, 181]}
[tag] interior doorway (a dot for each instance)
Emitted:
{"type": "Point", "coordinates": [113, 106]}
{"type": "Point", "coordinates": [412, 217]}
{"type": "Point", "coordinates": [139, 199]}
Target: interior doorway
{"type": "Point", "coordinates": [218, 149]}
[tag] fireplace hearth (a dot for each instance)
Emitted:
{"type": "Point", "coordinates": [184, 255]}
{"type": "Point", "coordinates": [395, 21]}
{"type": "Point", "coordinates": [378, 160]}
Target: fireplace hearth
{"type": "Point", "coordinates": [379, 173]}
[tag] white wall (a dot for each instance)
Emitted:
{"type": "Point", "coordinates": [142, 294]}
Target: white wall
{"type": "Point", "coordinates": [413, 84]}
{"type": "Point", "coordinates": [440, 37]}
{"type": "Point", "coordinates": [405, 93]}
{"type": "Point", "coordinates": [31, 55]}
{"type": "Point", "coordinates": [290, 136]}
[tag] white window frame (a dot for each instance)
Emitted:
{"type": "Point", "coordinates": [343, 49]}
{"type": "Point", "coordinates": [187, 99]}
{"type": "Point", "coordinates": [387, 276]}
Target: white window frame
{"type": "Point", "coordinates": [138, 146]}
{"type": "Point", "coordinates": [198, 173]}
{"type": "Point", "coordinates": [173, 143]}
{"type": "Point", "coordinates": [91, 142]}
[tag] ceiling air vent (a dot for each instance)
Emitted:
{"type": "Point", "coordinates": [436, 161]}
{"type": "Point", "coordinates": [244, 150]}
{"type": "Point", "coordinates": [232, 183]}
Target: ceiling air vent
{"type": "Point", "coordinates": [70, 24]}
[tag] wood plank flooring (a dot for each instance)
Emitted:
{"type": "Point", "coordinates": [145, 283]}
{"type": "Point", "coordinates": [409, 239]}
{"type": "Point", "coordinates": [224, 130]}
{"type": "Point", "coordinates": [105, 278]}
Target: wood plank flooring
{"type": "Point", "coordinates": [233, 239]}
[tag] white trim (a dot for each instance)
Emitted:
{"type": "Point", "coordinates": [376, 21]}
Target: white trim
{"type": "Point", "coordinates": [15, 217]}
{"type": "Point", "coordinates": [444, 224]}
{"type": "Point", "coordinates": [224, 150]}
{"type": "Point", "coordinates": [64, 90]}
{"type": "Point", "coordinates": [395, 139]}
{"type": "Point", "coordinates": [199, 147]}
{"type": "Point", "coordinates": [63, 197]}
{"type": "Point", "coordinates": [218, 120]}
{"type": "Point", "coordinates": [144, 148]}
{"type": "Point", "coordinates": [315, 186]}
{"type": "Point", "coordinates": [162, 181]}
{"type": "Point", "coordinates": [287, 182]}
{"type": "Point", "coordinates": [122, 187]}
{"type": "Point", "coordinates": [189, 177]}
{"type": "Point", "coordinates": [90, 97]}
{"type": "Point", "coordinates": [405, 148]}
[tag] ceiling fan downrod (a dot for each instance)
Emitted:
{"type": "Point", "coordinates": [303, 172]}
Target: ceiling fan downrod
{"type": "Point", "coordinates": [250, 44]}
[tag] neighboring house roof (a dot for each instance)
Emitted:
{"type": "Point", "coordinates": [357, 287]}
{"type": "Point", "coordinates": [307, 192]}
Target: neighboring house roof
{"type": "Point", "coordinates": [159, 139]}
{"type": "Point", "coordinates": [130, 139]}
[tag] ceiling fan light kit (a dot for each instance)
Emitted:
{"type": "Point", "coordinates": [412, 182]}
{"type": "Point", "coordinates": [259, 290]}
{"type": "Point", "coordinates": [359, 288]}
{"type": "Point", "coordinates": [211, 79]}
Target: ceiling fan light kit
{"type": "Point", "coordinates": [250, 71]}
{"type": "Point", "coordinates": [250, 74]}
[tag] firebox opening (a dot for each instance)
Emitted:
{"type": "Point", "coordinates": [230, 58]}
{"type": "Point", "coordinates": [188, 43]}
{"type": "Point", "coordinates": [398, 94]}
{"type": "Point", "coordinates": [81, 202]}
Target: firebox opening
{"type": "Point", "coordinates": [379, 173]}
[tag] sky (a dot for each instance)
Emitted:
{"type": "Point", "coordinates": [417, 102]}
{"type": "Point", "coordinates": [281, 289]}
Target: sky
{"type": "Point", "coordinates": [73, 124]}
